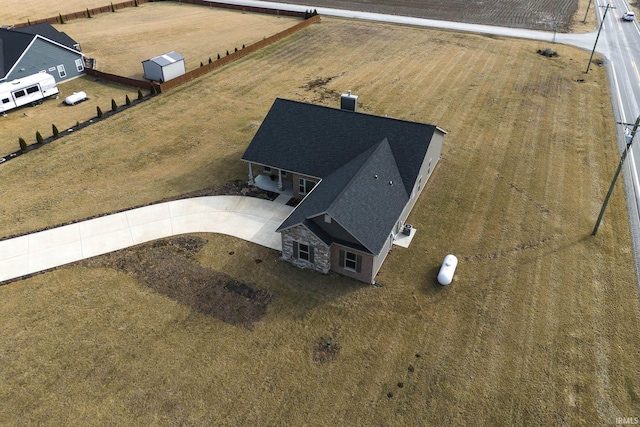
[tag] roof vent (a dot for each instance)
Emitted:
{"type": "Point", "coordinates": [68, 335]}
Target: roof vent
{"type": "Point", "coordinates": [375, 176]}
{"type": "Point", "coordinates": [390, 182]}
{"type": "Point", "coordinates": [349, 102]}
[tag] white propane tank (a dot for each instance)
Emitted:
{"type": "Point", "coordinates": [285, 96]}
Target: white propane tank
{"type": "Point", "coordinates": [445, 276]}
{"type": "Point", "coordinates": [75, 98]}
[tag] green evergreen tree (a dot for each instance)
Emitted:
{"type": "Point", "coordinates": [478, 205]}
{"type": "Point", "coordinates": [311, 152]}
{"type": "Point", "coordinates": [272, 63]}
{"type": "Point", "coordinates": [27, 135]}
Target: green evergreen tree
{"type": "Point", "coordinates": [140, 96]}
{"type": "Point", "coordinates": [210, 61]}
{"type": "Point", "coordinates": [113, 9]}
{"type": "Point", "coordinates": [54, 129]}
{"type": "Point", "coordinates": [218, 56]}
{"type": "Point", "coordinates": [99, 111]}
{"type": "Point", "coordinates": [23, 144]}
{"type": "Point", "coordinates": [39, 137]}
{"type": "Point", "coordinates": [201, 64]}
{"type": "Point", "coordinates": [127, 100]}
{"type": "Point", "coordinates": [88, 13]}
{"type": "Point", "coordinates": [61, 20]}
{"type": "Point", "coordinates": [153, 90]}
{"type": "Point", "coordinates": [114, 106]}
{"type": "Point", "coordinates": [135, 2]}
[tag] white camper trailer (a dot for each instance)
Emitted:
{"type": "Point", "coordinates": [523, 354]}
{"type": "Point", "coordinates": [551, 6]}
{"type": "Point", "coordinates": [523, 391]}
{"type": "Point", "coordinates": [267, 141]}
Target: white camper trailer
{"type": "Point", "coordinates": [27, 90]}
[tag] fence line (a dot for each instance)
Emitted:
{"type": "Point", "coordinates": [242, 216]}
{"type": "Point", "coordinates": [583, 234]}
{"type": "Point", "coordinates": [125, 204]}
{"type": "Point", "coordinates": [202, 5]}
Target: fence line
{"type": "Point", "coordinates": [133, 3]}
{"type": "Point", "coordinates": [141, 84]}
{"type": "Point", "coordinates": [83, 14]}
{"type": "Point", "coordinates": [205, 68]}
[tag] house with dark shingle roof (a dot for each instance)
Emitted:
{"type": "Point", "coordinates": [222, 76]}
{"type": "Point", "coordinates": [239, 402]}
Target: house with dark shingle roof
{"type": "Point", "coordinates": [38, 48]}
{"type": "Point", "coordinates": [358, 177]}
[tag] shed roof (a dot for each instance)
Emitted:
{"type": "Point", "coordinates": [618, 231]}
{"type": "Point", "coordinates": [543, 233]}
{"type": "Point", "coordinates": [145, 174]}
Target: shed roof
{"type": "Point", "coordinates": [165, 59]}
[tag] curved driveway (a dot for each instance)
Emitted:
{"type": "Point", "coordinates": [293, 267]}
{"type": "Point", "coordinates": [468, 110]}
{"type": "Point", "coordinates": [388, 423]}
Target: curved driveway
{"type": "Point", "coordinates": [247, 218]}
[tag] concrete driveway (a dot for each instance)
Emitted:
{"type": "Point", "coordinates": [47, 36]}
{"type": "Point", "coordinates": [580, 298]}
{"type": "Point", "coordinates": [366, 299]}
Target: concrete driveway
{"type": "Point", "coordinates": [247, 218]}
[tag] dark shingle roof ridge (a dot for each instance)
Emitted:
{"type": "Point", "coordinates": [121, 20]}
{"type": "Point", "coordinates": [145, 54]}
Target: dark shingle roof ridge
{"type": "Point", "coordinates": [385, 117]}
{"type": "Point", "coordinates": [14, 45]}
{"type": "Point", "coordinates": [373, 150]}
{"type": "Point", "coordinates": [362, 235]}
{"type": "Point", "coordinates": [48, 32]}
{"type": "Point", "coordinates": [294, 218]}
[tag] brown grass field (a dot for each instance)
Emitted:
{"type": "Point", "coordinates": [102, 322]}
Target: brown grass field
{"type": "Point", "coordinates": [541, 15]}
{"type": "Point", "coordinates": [121, 41]}
{"type": "Point", "coordinates": [24, 122]}
{"type": "Point", "coordinates": [540, 327]}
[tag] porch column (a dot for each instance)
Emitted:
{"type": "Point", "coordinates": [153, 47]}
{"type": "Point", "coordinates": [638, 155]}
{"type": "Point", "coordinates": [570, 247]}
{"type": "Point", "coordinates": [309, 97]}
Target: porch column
{"type": "Point", "coordinates": [251, 181]}
{"type": "Point", "coordinates": [280, 186]}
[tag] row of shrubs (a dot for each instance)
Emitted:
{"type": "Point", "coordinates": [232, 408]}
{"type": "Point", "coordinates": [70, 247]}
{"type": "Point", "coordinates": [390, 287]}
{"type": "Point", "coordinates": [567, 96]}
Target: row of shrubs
{"type": "Point", "coordinates": [210, 60]}
{"type": "Point", "coordinates": [55, 132]}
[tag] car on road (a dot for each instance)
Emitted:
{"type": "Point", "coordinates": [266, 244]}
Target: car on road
{"type": "Point", "coordinates": [629, 16]}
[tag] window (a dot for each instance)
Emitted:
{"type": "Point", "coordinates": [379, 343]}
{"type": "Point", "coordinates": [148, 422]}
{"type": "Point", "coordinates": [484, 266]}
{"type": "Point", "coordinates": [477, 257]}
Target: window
{"type": "Point", "coordinates": [303, 251]}
{"type": "Point", "coordinates": [429, 167]}
{"type": "Point", "coordinates": [33, 89]}
{"type": "Point", "coordinates": [305, 186]}
{"type": "Point", "coordinates": [284, 173]}
{"type": "Point", "coordinates": [350, 261]}
{"type": "Point", "coordinates": [267, 169]}
{"type": "Point", "coordinates": [61, 72]}
{"type": "Point", "coordinates": [19, 93]}
{"type": "Point", "coordinates": [5, 101]}
{"type": "Point", "coordinates": [79, 65]}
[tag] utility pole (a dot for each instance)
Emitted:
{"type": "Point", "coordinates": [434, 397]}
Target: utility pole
{"type": "Point", "coordinates": [584, 21]}
{"type": "Point", "coordinates": [598, 36]}
{"type": "Point", "coordinates": [615, 177]}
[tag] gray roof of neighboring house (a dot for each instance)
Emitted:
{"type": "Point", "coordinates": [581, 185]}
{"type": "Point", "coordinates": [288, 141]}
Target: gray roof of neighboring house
{"type": "Point", "coordinates": [14, 42]}
{"type": "Point", "coordinates": [47, 30]}
{"type": "Point", "coordinates": [347, 150]}
{"type": "Point", "coordinates": [12, 45]}
{"type": "Point", "coordinates": [166, 59]}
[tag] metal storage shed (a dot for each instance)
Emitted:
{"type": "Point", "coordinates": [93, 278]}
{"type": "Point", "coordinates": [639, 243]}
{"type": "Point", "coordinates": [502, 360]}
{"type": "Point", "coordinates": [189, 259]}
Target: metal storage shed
{"type": "Point", "coordinates": [164, 67]}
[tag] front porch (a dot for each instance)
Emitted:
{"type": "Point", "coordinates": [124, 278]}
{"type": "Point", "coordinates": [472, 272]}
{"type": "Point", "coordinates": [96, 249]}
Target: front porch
{"type": "Point", "coordinates": [265, 182]}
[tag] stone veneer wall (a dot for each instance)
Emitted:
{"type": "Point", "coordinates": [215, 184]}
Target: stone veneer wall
{"type": "Point", "coordinates": [301, 234]}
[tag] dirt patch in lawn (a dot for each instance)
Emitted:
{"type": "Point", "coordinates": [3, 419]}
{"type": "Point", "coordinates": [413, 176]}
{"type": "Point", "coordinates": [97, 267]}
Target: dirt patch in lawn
{"type": "Point", "coordinates": [168, 267]}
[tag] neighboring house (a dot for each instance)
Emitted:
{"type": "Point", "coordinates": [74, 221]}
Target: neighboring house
{"type": "Point", "coordinates": [38, 48]}
{"type": "Point", "coordinates": [164, 67]}
{"type": "Point", "coordinates": [358, 176]}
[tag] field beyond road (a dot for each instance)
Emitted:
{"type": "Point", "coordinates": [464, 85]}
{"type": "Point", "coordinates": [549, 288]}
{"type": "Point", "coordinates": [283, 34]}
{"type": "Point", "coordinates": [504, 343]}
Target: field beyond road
{"type": "Point", "coordinates": [540, 327]}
